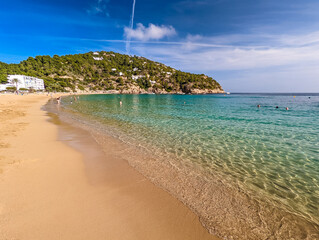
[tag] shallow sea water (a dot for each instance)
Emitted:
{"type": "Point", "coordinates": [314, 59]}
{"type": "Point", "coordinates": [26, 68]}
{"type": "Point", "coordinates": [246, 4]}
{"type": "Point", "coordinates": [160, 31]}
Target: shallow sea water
{"type": "Point", "coordinates": [267, 151]}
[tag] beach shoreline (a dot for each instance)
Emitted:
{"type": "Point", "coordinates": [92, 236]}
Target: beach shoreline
{"type": "Point", "coordinates": [107, 188]}
{"type": "Point", "coordinates": [225, 208]}
{"type": "Point", "coordinates": [50, 190]}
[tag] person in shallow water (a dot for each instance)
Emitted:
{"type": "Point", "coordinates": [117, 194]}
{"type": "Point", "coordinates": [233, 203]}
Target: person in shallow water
{"type": "Point", "coordinates": [258, 105]}
{"type": "Point", "coordinates": [277, 107]}
{"type": "Point", "coordinates": [121, 103]}
{"type": "Point", "coordinates": [287, 108]}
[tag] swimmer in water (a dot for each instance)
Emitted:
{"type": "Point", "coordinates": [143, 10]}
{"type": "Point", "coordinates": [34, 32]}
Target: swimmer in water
{"type": "Point", "coordinates": [287, 108]}
{"type": "Point", "coordinates": [258, 105]}
{"type": "Point", "coordinates": [277, 107]}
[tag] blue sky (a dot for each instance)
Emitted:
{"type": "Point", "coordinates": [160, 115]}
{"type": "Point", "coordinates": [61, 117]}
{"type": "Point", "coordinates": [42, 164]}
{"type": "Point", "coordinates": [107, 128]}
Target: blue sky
{"type": "Point", "coordinates": [246, 45]}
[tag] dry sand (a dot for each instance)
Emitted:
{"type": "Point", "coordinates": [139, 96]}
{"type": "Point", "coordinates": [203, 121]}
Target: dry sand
{"type": "Point", "coordinates": [51, 190]}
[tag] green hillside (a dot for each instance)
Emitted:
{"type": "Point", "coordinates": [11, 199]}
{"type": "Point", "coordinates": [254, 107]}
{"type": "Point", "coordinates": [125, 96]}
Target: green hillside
{"type": "Point", "coordinates": [109, 71]}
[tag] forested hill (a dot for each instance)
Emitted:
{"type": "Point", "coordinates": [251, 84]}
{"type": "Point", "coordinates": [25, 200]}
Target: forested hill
{"type": "Point", "coordinates": [109, 71]}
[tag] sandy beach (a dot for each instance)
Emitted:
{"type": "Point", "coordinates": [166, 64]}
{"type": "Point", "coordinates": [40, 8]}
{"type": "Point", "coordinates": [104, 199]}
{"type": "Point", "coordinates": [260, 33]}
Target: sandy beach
{"type": "Point", "coordinates": [56, 183]}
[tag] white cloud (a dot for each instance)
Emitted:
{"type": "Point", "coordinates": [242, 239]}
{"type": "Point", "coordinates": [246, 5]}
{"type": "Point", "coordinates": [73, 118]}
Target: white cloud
{"type": "Point", "coordinates": [305, 39]}
{"type": "Point", "coordinates": [197, 52]}
{"type": "Point", "coordinates": [253, 62]}
{"type": "Point", "coordinates": [152, 32]}
{"type": "Point", "coordinates": [99, 7]}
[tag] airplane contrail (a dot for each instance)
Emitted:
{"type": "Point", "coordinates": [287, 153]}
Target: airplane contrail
{"type": "Point", "coordinates": [128, 40]}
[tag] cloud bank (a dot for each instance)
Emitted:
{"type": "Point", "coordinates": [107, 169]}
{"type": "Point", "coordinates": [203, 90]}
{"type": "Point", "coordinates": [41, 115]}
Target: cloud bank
{"type": "Point", "coordinates": [152, 32]}
{"type": "Point", "coordinates": [267, 62]}
{"type": "Point", "coordinates": [200, 53]}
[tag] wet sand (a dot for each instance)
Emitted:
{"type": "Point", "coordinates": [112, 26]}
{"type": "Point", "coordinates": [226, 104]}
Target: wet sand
{"type": "Point", "coordinates": [57, 183]}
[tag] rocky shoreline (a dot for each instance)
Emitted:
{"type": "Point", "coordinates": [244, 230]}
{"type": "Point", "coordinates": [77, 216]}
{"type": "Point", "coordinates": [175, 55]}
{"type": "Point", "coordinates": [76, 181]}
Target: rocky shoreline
{"type": "Point", "coordinates": [138, 90]}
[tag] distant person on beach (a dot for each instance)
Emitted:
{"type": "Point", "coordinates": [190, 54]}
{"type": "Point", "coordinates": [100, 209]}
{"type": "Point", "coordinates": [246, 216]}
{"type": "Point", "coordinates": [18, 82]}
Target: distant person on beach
{"type": "Point", "coordinates": [58, 100]}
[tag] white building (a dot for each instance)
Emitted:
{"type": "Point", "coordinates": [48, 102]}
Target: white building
{"type": "Point", "coordinates": [98, 58]}
{"type": "Point", "coordinates": [3, 87]}
{"type": "Point", "coordinates": [113, 69]}
{"type": "Point", "coordinates": [121, 74]}
{"type": "Point", "coordinates": [95, 53]}
{"type": "Point", "coordinates": [23, 82]}
{"type": "Point", "coordinates": [135, 77]}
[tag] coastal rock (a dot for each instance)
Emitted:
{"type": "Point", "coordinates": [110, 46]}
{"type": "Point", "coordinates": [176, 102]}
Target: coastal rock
{"type": "Point", "coordinates": [207, 91]}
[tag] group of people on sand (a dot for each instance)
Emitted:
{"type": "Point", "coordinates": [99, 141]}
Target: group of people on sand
{"type": "Point", "coordinates": [276, 107]}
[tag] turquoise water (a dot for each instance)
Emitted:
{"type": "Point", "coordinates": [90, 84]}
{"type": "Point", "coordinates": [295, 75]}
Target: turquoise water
{"type": "Point", "coordinates": [269, 151]}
